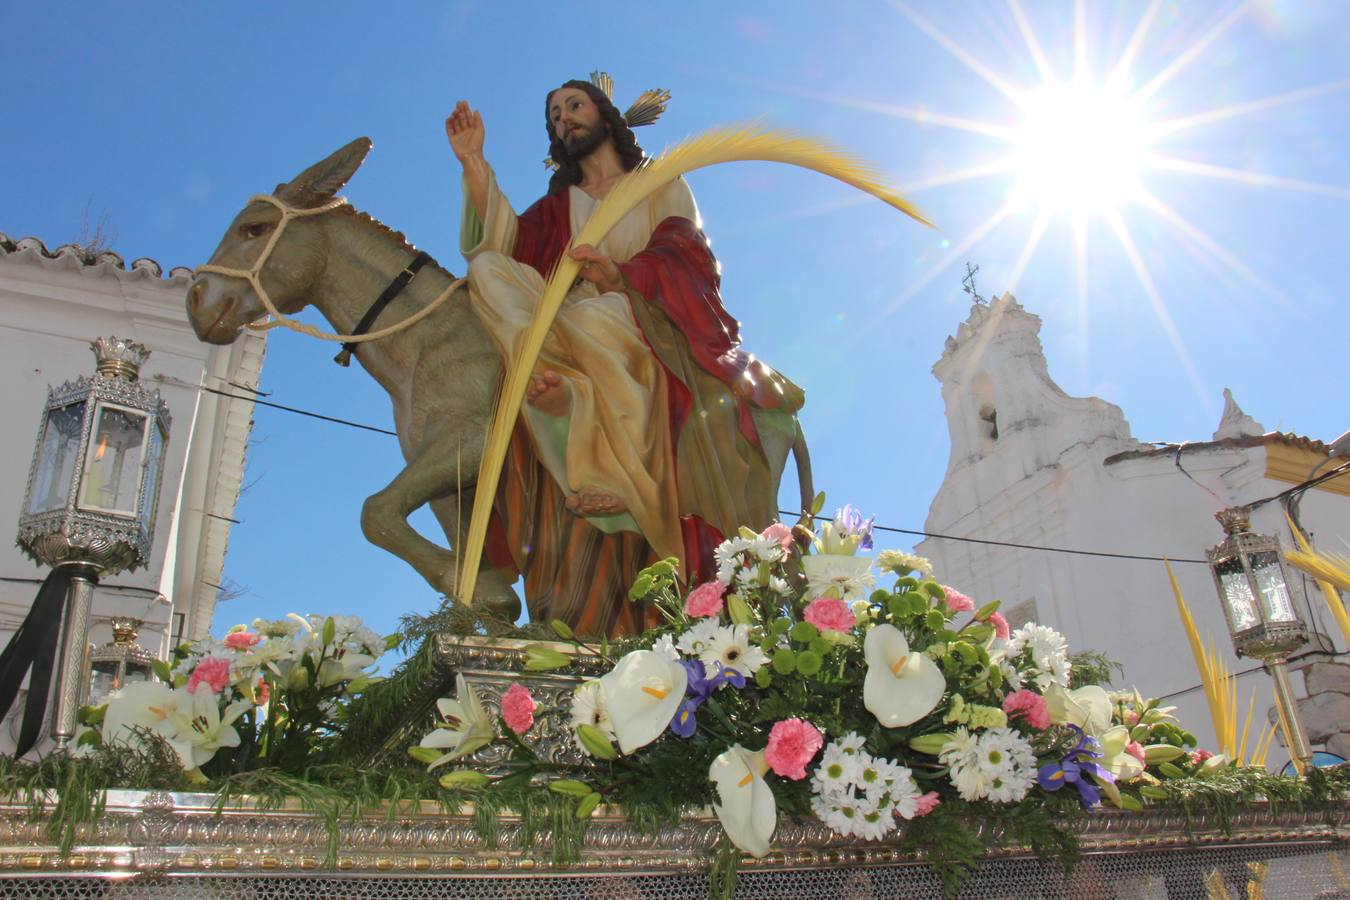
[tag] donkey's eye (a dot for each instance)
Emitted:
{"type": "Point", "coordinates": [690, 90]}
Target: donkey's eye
{"type": "Point", "coordinates": [257, 229]}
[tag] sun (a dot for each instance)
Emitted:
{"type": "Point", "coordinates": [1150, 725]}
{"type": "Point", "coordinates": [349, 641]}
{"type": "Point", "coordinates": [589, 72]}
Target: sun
{"type": "Point", "coordinates": [1080, 149]}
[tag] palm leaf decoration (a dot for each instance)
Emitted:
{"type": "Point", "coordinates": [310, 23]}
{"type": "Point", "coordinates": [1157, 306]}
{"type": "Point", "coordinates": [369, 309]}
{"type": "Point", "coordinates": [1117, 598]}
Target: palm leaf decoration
{"type": "Point", "coordinates": [722, 145]}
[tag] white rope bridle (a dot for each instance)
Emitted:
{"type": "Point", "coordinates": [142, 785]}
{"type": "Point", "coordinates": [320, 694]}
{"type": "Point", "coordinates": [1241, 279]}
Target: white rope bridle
{"type": "Point", "coordinates": [253, 276]}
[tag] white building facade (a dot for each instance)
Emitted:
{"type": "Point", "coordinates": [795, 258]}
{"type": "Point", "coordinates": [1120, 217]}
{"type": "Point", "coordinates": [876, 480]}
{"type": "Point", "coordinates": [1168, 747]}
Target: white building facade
{"type": "Point", "coordinates": [1031, 465]}
{"type": "Point", "coordinates": [52, 304]}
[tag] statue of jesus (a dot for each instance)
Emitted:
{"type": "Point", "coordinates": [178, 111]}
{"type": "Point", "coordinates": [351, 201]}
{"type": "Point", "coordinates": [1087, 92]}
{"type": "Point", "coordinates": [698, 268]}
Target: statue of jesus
{"type": "Point", "coordinates": [640, 408]}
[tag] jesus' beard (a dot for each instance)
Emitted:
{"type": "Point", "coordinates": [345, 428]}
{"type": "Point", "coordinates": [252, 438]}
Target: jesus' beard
{"type": "Point", "coordinates": [584, 140]}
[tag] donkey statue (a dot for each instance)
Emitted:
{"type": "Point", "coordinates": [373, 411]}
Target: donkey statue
{"type": "Point", "coordinates": [442, 374]}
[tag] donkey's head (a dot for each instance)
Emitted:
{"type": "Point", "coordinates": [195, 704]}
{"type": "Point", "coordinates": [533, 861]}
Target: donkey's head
{"type": "Point", "coordinates": [219, 305]}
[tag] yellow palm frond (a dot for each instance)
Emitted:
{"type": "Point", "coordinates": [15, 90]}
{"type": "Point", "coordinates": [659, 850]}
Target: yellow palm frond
{"type": "Point", "coordinates": [1329, 570]}
{"type": "Point", "coordinates": [1221, 693]}
{"type": "Point", "coordinates": [722, 145]}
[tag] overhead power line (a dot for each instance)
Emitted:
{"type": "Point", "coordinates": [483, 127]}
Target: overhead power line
{"type": "Point", "coordinates": [1341, 470]}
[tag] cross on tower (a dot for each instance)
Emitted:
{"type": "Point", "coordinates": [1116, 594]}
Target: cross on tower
{"type": "Point", "coordinates": [969, 283]}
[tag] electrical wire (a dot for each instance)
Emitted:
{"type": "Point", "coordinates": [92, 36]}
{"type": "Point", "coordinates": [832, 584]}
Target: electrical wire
{"type": "Point", "coordinates": [971, 540]}
{"type": "Point", "coordinates": [944, 537]}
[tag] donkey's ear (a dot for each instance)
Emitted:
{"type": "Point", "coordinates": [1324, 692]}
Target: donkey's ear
{"type": "Point", "coordinates": [321, 181]}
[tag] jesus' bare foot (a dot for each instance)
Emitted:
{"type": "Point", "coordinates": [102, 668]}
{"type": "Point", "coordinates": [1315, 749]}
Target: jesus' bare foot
{"type": "Point", "coordinates": [589, 502]}
{"type": "Point", "coordinates": [547, 393]}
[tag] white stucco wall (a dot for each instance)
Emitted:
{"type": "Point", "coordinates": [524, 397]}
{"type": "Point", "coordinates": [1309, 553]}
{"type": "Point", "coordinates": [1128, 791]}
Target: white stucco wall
{"type": "Point", "coordinates": [52, 304]}
{"type": "Point", "coordinates": [1046, 481]}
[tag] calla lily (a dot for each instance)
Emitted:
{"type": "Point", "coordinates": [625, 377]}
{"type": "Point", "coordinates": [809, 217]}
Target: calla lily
{"type": "Point", "coordinates": [901, 687]}
{"type": "Point", "coordinates": [1087, 707]}
{"type": "Point", "coordinates": [747, 809]}
{"type": "Point", "coordinates": [642, 694]}
{"type": "Point", "coordinates": [1115, 760]}
{"type": "Point", "coordinates": [468, 726]}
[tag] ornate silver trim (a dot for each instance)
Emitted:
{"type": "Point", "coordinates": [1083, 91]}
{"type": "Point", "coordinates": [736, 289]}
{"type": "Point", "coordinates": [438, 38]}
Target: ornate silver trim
{"type": "Point", "coordinates": [182, 834]}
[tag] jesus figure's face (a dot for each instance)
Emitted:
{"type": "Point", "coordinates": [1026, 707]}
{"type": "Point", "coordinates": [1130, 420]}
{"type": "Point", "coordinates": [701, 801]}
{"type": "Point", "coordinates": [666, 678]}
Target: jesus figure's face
{"type": "Point", "coordinates": [576, 121]}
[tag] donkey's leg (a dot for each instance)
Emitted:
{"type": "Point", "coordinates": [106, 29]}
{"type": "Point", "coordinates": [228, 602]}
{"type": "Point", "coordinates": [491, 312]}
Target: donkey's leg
{"type": "Point", "coordinates": [493, 593]}
{"type": "Point", "coordinates": [384, 519]}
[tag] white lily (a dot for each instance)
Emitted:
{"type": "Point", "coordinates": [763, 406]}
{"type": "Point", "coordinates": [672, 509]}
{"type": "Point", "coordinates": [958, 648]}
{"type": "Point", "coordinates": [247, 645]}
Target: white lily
{"type": "Point", "coordinates": [200, 728]}
{"type": "Point", "coordinates": [344, 665]}
{"type": "Point", "coordinates": [141, 705]}
{"type": "Point", "coordinates": [747, 809]}
{"type": "Point", "coordinates": [642, 694]}
{"type": "Point", "coordinates": [468, 726]}
{"type": "Point", "coordinates": [1087, 707]}
{"type": "Point", "coordinates": [1115, 760]}
{"type": "Point", "coordinates": [900, 687]}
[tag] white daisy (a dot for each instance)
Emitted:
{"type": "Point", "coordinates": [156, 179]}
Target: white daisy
{"type": "Point", "coordinates": [838, 770]}
{"type": "Point", "coordinates": [730, 645]}
{"type": "Point", "coordinates": [766, 549]}
{"type": "Point", "coordinates": [694, 641]}
{"type": "Point", "coordinates": [875, 824]}
{"type": "Point", "coordinates": [902, 563]}
{"type": "Point", "coordinates": [665, 645]}
{"type": "Point", "coordinates": [850, 743]}
{"type": "Point", "coordinates": [844, 577]}
{"type": "Point", "coordinates": [904, 793]}
{"type": "Point", "coordinates": [588, 708]}
{"type": "Point", "coordinates": [779, 586]}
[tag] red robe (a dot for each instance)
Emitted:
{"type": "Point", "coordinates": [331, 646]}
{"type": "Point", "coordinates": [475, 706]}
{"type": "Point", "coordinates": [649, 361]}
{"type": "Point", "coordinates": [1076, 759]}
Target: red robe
{"type": "Point", "coordinates": [678, 273]}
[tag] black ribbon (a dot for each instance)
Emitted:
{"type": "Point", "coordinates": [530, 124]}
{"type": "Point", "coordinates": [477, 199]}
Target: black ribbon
{"type": "Point", "coordinates": [400, 281]}
{"type": "Point", "coordinates": [34, 646]}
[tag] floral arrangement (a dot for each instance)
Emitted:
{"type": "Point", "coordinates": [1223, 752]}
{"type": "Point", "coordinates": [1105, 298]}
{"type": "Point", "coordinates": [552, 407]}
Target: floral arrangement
{"type": "Point", "coordinates": [794, 683]}
{"type": "Point", "coordinates": [266, 696]}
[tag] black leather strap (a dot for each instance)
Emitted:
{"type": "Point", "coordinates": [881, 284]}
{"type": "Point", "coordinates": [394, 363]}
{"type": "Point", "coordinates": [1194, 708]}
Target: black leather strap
{"type": "Point", "coordinates": [396, 286]}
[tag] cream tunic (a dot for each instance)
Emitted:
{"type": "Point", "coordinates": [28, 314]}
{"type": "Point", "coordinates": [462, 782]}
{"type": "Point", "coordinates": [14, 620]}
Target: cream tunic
{"type": "Point", "coordinates": [615, 438]}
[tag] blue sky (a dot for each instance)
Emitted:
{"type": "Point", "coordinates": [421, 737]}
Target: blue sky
{"type": "Point", "coordinates": [167, 117]}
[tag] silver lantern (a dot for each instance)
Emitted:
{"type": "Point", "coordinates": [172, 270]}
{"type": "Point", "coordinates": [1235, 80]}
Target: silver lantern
{"type": "Point", "coordinates": [118, 662]}
{"type": "Point", "coordinates": [92, 493]}
{"type": "Point", "coordinates": [1257, 606]}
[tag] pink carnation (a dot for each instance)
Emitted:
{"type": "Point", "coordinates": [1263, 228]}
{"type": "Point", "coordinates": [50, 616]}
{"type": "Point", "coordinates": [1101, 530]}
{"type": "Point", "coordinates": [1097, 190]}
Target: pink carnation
{"type": "Point", "coordinates": [1001, 629]}
{"type": "Point", "coordinates": [1030, 705]}
{"type": "Point", "coordinates": [957, 601]}
{"type": "Point", "coordinates": [1135, 749]}
{"type": "Point", "coordinates": [518, 709]}
{"type": "Point", "coordinates": [241, 640]}
{"type": "Point", "coordinates": [705, 600]}
{"type": "Point", "coordinates": [780, 533]}
{"type": "Point", "coordinates": [829, 614]}
{"type": "Point", "coordinates": [213, 671]}
{"type": "Point", "coordinates": [792, 744]}
{"type": "Point", "coordinates": [1199, 756]}
{"type": "Point", "coordinates": [926, 804]}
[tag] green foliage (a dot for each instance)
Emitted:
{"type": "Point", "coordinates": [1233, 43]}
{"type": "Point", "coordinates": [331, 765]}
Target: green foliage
{"type": "Point", "coordinates": [1092, 667]}
{"type": "Point", "coordinates": [79, 782]}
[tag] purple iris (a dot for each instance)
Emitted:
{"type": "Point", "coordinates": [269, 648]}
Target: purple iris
{"type": "Point", "coordinates": [699, 688]}
{"type": "Point", "coordinates": [850, 521]}
{"type": "Point", "coordinates": [1075, 768]}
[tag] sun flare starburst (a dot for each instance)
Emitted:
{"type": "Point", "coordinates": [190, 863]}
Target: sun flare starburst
{"type": "Point", "coordinates": [1080, 148]}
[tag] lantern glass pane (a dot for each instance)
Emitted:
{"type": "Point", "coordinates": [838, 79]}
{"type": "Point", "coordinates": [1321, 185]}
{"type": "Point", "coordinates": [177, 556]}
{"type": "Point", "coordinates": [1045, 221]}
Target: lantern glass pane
{"type": "Point", "coordinates": [112, 470]}
{"type": "Point", "coordinates": [1238, 602]}
{"type": "Point", "coordinates": [138, 672]}
{"type": "Point", "coordinates": [1269, 578]}
{"type": "Point", "coordinates": [57, 454]}
{"type": "Point", "coordinates": [154, 454]}
{"type": "Point", "coordinates": [102, 680]}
